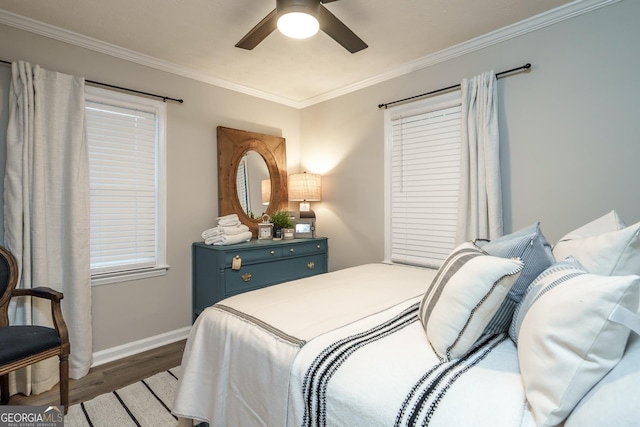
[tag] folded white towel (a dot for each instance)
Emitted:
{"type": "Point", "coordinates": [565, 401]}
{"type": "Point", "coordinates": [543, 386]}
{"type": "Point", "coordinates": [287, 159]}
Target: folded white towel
{"type": "Point", "coordinates": [212, 240]}
{"type": "Point", "coordinates": [236, 229]}
{"type": "Point", "coordinates": [221, 231]}
{"type": "Point", "coordinates": [230, 217]}
{"type": "Point", "coordinates": [212, 232]}
{"type": "Point", "coordinates": [229, 223]}
{"type": "Point", "coordinates": [229, 240]}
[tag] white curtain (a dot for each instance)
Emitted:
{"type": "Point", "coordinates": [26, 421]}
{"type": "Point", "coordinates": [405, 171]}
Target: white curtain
{"type": "Point", "coordinates": [46, 208]}
{"type": "Point", "coordinates": [480, 200]}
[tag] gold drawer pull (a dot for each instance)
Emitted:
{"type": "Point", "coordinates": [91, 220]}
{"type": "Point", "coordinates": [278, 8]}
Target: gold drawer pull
{"type": "Point", "coordinates": [272, 252]}
{"type": "Point", "coordinates": [311, 265]}
{"type": "Point", "coordinates": [246, 277]}
{"type": "Point", "coordinates": [292, 250]}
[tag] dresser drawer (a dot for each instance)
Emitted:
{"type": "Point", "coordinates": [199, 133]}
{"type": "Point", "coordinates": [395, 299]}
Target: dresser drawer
{"type": "Point", "coordinates": [305, 266]}
{"type": "Point", "coordinates": [253, 255]}
{"type": "Point", "coordinates": [257, 276]}
{"type": "Point", "coordinates": [306, 248]}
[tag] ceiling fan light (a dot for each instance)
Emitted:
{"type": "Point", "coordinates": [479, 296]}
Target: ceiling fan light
{"type": "Point", "coordinates": [298, 25]}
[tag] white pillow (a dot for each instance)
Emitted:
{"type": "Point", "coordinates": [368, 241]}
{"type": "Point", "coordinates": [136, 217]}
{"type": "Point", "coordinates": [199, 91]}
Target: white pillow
{"type": "Point", "coordinates": [566, 342]}
{"type": "Point", "coordinates": [463, 297]}
{"type": "Point", "coordinates": [614, 400]}
{"type": "Point", "coordinates": [604, 224]}
{"type": "Point", "coordinates": [611, 253]}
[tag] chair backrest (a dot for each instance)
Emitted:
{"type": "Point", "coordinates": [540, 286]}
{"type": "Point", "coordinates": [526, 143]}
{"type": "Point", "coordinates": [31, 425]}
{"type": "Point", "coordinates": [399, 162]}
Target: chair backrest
{"type": "Point", "coordinates": [8, 282]}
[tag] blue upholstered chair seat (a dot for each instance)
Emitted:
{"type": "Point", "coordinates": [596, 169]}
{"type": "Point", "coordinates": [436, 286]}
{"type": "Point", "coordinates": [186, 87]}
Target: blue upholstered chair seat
{"type": "Point", "coordinates": [19, 342]}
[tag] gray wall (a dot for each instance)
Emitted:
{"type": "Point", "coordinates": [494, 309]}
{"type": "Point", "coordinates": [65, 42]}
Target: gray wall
{"type": "Point", "coordinates": [131, 311]}
{"type": "Point", "coordinates": [569, 132]}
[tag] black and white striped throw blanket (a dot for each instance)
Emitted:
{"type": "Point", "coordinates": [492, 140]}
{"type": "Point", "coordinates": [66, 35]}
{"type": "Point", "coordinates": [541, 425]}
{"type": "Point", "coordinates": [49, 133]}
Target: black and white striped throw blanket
{"type": "Point", "coordinates": [381, 371]}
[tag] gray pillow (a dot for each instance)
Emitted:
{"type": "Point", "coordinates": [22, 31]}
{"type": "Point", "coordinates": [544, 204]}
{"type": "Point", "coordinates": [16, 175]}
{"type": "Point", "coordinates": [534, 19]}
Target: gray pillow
{"type": "Point", "coordinates": [530, 245]}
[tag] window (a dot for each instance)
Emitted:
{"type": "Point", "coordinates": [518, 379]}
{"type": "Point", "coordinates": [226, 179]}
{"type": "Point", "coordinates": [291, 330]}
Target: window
{"type": "Point", "coordinates": [126, 140]}
{"type": "Point", "coordinates": [422, 172]}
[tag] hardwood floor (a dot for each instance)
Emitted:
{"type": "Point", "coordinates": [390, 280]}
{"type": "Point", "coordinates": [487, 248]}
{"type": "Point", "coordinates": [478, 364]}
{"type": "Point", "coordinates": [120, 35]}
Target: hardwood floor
{"type": "Point", "coordinates": [111, 376]}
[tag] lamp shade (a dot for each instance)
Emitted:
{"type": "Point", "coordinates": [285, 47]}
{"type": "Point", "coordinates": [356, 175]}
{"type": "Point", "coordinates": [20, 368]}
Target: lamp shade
{"type": "Point", "coordinates": [266, 191]}
{"type": "Point", "coordinates": [298, 18]}
{"type": "Point", "coordinates": [305, 187]}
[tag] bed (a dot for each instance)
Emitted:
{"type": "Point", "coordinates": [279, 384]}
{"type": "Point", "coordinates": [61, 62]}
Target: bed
{"type": "Point", "coordinates": [395, 345]}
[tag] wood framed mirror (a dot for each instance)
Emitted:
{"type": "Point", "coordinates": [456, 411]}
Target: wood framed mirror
{"type": "Point", "coordinates": [245, 160]}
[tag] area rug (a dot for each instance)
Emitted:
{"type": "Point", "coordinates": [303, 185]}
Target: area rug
{"type": "Point", "coordinates": [145, 403]}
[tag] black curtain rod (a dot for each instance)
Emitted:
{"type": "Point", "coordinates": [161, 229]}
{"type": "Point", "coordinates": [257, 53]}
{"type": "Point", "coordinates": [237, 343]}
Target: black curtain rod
{"type": "Point", "coordinates": [444, 89]}
{"type": "Point", "coordinates": [164, 98]}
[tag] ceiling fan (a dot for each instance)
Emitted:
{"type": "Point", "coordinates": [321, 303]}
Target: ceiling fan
{"type": "Point", "coordinates": [318, 17]}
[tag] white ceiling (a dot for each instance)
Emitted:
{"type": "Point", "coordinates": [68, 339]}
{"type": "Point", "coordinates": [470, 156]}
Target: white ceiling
{"type": "Point", "coordinates": [196, 38]}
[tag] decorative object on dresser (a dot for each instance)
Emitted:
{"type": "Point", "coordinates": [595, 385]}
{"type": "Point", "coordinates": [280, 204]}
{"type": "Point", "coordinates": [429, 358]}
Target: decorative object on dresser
{"type": "Point", "coordinates": [288, 233]}
{"type": "Point", "coordinates": [305, 224]}
{"type": "Point", "coordinates": [229, 231]}
{"type": "Point", "coordinates": [304, 188]}
{"type": "Point", "coordinates": [281, 220]}
{"type": "Point", "coordinates": [220, 272]}
{"type": "Point", "coordinates": [241, 157]}
{"type": "Point", "coordinates": [265, 228]}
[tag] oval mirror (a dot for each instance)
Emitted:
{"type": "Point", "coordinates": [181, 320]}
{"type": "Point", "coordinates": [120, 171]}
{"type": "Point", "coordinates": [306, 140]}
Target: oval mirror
{"type": "Point", "coordinates": [252, 171]}
{"type": "Point", "coordinates": [233, 144]}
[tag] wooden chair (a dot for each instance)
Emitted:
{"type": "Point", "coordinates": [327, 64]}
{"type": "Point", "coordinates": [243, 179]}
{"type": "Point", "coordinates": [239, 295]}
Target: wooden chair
{"type": "Point", "coordinates": [22, 346]}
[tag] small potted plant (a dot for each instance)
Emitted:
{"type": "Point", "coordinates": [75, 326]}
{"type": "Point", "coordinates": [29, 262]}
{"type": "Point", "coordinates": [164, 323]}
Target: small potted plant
{"type": "Point", "coordinates": [281, 220]}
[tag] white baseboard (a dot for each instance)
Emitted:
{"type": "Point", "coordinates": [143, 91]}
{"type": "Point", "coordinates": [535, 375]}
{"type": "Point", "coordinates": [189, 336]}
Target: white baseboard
{"type": "Point", "coordinates": [109, 355]}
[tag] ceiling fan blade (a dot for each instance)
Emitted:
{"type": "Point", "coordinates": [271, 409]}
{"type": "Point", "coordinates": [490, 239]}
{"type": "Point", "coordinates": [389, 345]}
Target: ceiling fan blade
{"type": "Point", "coordinates": [259, 32]}
{"type": "Point", "coordinates": [339, 32]}
{"type": "Point", "coordinates": [327, 1]}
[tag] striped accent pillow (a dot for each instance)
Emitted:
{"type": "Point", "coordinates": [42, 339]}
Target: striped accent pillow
{"type": "Point", "coordinates": [547, 280]}
{"type": "Point", "coordinates": [530, 245]}
{"type": "Point", "coordinates": [463, 297]}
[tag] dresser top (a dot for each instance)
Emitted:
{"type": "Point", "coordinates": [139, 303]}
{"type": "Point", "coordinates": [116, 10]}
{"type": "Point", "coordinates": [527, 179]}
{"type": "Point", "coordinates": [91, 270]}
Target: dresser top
{"type": "Point", "coordinates": [263, 243]}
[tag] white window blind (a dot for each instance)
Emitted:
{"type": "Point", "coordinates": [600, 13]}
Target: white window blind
{"type": "Point", "coordinates": [126, 217]}
{"type": "Point", "coordinates": [424, 182]}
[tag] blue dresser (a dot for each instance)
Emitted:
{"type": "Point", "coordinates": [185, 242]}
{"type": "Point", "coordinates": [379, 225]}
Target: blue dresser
{"type": "Point", "coordinates": [222, 271]}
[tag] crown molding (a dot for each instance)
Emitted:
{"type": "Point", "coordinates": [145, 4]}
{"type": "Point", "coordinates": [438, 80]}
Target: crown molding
{"type": "Point", "coordinates": [60, 34]}
{"type": "Point", "coordinates": [568, 11]}
{"type": "Point", "coordinates": [529, 25]}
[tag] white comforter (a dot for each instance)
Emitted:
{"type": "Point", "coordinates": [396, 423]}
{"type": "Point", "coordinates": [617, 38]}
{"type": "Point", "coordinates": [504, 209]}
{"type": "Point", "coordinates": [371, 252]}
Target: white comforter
{"type": "Point", "coordinates": [247, 359]}
{"type": "Point", "coordinates": [380, 371]}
